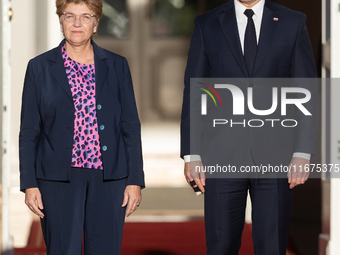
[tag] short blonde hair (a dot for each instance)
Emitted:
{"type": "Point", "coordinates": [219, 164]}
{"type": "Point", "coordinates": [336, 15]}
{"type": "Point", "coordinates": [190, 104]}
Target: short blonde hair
{"type": "Point", "coordinates": [95, 5]}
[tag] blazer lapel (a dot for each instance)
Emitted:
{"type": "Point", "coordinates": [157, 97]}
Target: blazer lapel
{"type": "Point", "coordinates": [100, 66]}
{"type": "Point", "coordinates": [58, 70]}
{"type": "Point", "coordinates": [268, 27]}
{"type": "Point", "coordinates": [229, 27]}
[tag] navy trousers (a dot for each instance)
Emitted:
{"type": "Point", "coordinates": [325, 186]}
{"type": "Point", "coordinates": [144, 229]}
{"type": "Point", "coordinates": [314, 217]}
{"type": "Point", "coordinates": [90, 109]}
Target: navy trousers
{"type": "Point", "coordinates": [86, 204]}
{"type": "Point", "coordinates": [225, 204]}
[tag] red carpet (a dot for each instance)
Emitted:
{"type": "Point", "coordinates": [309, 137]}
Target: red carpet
{"type": "Point", "coordinates": [172, 239]}
{"type": "Point", "coordinates": [150, 239]}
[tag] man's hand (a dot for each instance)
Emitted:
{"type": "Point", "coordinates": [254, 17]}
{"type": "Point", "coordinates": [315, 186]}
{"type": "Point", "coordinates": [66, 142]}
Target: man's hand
{"type": "Point", "coordinates": [132, 198]}
{"type": "Point", "coordinates": [193, 171]}
{"type": "Point", "coordinates": [298, 171]}
{"type": "Point", "coordinates": [33, 201]}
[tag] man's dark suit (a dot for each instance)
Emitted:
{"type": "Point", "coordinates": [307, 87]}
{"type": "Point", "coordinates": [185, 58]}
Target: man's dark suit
{"type": "Point", "coordinates": [284, 51]}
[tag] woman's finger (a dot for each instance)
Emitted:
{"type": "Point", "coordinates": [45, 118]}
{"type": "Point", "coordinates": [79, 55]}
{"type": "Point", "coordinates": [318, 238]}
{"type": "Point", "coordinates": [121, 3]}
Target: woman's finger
{"type": "Point", "coordinates": [34, 208]}
{"type": "Point", "coordinates": [125, 201]}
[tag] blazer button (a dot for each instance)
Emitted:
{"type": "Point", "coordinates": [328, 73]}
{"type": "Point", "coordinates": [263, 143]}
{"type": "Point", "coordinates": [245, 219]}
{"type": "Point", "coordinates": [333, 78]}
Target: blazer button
{"type": "Point", "coordinates": [99, 107]}
{"type": "Point", "coordinates": [104, 148]}
{"type": "Point", "coordinates": [102, 127]}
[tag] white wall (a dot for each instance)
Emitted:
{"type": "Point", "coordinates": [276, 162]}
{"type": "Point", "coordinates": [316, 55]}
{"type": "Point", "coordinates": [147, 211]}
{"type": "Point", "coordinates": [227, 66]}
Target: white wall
{"type": "Point", "coordinates": [334, 244]}
{"type": "Point", "coordinates": [35, 29]}
{"type": "Point", "coordinates": [22, 49]}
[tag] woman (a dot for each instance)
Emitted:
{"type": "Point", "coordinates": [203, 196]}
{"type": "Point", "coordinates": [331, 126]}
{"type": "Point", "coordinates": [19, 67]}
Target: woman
{"type": "Point", "coordinates": [80, 149]}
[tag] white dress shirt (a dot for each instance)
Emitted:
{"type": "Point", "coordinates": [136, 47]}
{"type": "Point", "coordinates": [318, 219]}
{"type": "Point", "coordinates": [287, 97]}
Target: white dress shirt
{"type": "Point", "coordinates": [242, 21]}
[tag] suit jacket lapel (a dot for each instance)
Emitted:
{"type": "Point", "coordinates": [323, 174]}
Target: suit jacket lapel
{"type": "Point", "coordinates": [230, 29]}
{"type": "Point", "coordinates": [58, 70]}
{"type": "Point", "coordinates": [100, 66]}
{"type": "Point", "coordinates": [268, 26]}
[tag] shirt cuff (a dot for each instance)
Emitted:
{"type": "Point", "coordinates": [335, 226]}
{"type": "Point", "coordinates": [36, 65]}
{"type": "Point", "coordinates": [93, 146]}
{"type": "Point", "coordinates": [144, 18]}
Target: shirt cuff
{"type": "Point", "coordinates": [190, 158]}
{"type": "Point", "coordinates": [302, 155]}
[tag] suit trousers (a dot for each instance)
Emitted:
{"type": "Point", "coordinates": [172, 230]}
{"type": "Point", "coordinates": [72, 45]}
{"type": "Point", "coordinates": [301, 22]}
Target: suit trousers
{"type": "Point", "coordinates": [86, 204]}
{"type": "Point", "coordinates": [225, 203]}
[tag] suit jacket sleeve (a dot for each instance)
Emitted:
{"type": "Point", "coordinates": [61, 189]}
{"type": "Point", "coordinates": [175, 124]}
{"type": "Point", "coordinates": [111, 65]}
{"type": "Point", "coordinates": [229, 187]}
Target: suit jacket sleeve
{"type": "Point", "coordinates": [29, 131]}
{"type": "Point", "coordinates": [131, 131]}
{"type": "Point", "coordinates": [197, 67]}
{"type": "Point", "coordinates": [304, 72]}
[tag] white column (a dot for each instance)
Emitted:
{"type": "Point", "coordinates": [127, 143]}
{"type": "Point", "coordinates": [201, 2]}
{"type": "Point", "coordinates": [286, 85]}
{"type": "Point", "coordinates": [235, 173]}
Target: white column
{"type": "Point", "coordinates": [35, 29]}
{"type": "Point", "coordinates": [5, 108]}
{"type": "Point", "coordinates": [335, 38]}
{"type": "Point", "coordinates": [334, 244]}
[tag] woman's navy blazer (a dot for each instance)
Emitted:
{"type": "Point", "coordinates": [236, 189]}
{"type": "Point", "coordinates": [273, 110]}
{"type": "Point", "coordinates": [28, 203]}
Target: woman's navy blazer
{"type": "Point", "coordinates": [47, 120]}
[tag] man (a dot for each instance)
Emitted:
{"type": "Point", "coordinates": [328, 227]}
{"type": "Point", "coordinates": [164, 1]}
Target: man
{"type": "Point", "coordinates": [251, 39]}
